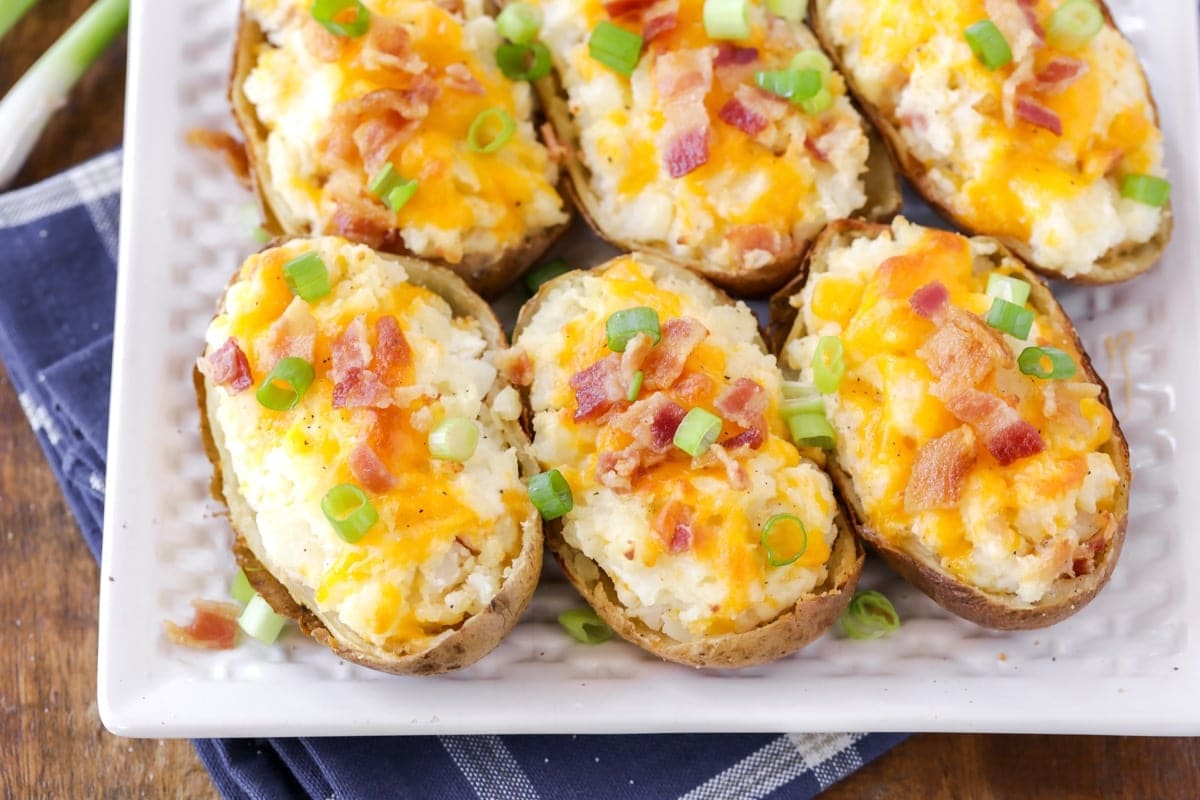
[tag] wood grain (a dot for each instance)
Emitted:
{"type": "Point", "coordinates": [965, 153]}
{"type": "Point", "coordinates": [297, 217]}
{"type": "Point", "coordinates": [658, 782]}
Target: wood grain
{"type": "Point", "coordinates": [51, 740]}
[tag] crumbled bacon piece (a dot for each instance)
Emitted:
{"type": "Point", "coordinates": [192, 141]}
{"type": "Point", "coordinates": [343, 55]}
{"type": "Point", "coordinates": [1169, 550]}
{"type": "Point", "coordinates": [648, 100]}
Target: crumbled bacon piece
{"type": "Point", "coordinates": [388, 45]}
{"type": "Point", "coordinates": [665, 362]}
{"type": "Point", "coordinates": [294, 334]}
{"type": "Point", "coordinates": [962, 352]}
{"type": "Point", "coordinates": [1029, 10]}
{"type": "Point", "coordinates": [322, 44]}
{"type": "Point", "coordinates": [660, 18]}
{"type": "Point", "coordinates": [1006, 436]}
{"type": "Point", "coordinates": [693, 388]}
{"type": "Point", "coordinates": [460, 78]}
{"type": "Point", "coordinates": [626, 8]}
{"type": "Point", "coordinates": [674, 527]}
{"type": "Point", "coordinates": [1037, 114]}
{"type": "Point", "coordinates": [739, 480]}
{"type": "Point", "coordinates": [1083, 559]}
{"type": "Point", "coordinates": [369, 470]}
{"type": "Point", "coordinates": [378, 137]}
{"type": "Point", "coordinates": [937, 475]}
{"type": "Point", "coordinates": [598, 388]}
{"type": "Point", "coordinates": [1060, 73]}
{"type": "Point", "coordinates": [814, 149]}
{"type": "Point", "coordinates": [732, 54]}
{"type": "Point", "coordinates": [652, 422]}
{"type": "Point", "coordinates": [515, 366]}
{"type": "Point", "coordinates": [749, 110]}
{"type": "Point", "coordinates": [931, 300]}
{"type": "Point", "coordinates": [350, 350]}
{"type": "Point", "coordinates": [683, 78]}
{"type": "Point", "coordinates": [361, 388]}
{"type": "Point", "coordinates": [393, 355]}
{"type": "Point", "coordinates": [227, 366]}
{"type": "Point", "coordinates": [758, 244]}
{"type": "Point", "coordinates": [745, 402]}
{"type": "Point", "coordinates": [213, 626]}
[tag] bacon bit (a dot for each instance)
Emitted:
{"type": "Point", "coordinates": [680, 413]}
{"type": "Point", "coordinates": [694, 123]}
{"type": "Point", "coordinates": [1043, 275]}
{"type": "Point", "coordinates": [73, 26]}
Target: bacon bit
{"type": "Point", "coordinates": [962, 352]}
{"type": "Point", "coordinates": [931, 300]}
{"type": "Point", "coordinates": [1083, 560]}
{"type": "Point", "coordinates": [686, 152]}
{"type": "Point", "coordinates": [734, 66]}
{"type": "Point", "coordinates": [1006, 436]}
{"type": "Point", "coordinates": [674, 527]}
{"type": "Point", "coordinates": [227, 366]}
{"type": "Point", "coordinates": [615, 469]}
{"type": "Point", "coordinates": [751, 437]}
{"type": "Point", "coordinates": [380, 136]}
{"type": "Point", "coordinates": [1037, 114]}
{"type": "Point", "coordinates": [636, 351]}
{"type": "Point", "coordinates": [555, 149]}
{"type": "Point", "coordinates": [663, 366]}
{"type": "Point", "coordinates": [460, 78]}
{"type": "Point", "coordinates": [732, 54]}
{"type": "Point", "coordinates": [937, 475]}
{"type": "Point", "coordinates": [231, 149]}
{"type": "Point", "coordinates": [626, 8]}
{"type": "Point", "coordinates": [658, 24]}
{"type": "Point", "coordinates": [652, 422]}
{"type": "Point", "coordinates": [598, 388]}
{"type": "Point", "coordinates": [350, 350]}
{"type": "Point", "coordinates": [1029, 9]}
{"type": "Point", "coordinates": [1060, 73]}
{"type": "Point", "coordinates": [693, 388]}
{"type": "Point", "coordinates": [683, 79]}
{"type": "Point", "coordinates": [393, 355]}
{"type": "Point", "coordinates": [213, 626]}
{"type": "Point", "coordinates": [750, 110]}
{"type": "Point", "coordinates": [745, 402]}
{"type": "Point", "coordinates": [388, 47]}
{"type": "Point", "coordinates": [748, 240]}
{"type": "Point", "coordinates": [323, 45]}
{"type": "Point", "coordinates": [370, 471]}
{"type": "Point", "coordinates": [360, 221]}
{"type": "Point", "coordinates": [815, 150]}
{"type": "Point", "coordinates": [629, 554]}
{"type": "Point", "coordinates": [294, 334]}
{"type": "Point", "coordinates": [515, 366]}
{"type": "Point", "coordinates": [463, 544]}
{"type": "Point", "coordinates": [739, 480]}
{"type": "Point", "coordinates": [361, 388]}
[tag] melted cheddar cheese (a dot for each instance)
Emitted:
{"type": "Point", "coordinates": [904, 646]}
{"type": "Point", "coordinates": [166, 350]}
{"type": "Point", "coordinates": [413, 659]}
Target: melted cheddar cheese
{"type": "Point", "coordinates": [446, 532]}
{"type": "Point", "coordinates": [1015, 527]}
{"type": "Point", "coordinates": [1000, 174]}
{"type": "Point", "coordinates": [722, 582]}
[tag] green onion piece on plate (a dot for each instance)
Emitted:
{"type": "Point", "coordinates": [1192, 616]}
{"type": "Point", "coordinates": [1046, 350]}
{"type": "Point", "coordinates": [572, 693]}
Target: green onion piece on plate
{"type": "Point", "coordinates": [284, 387]}
{"type": "Point", "coordinates": [519, 22]}
{"type": "Point", "coordinates": [1146, 189]}
{"type": "Point", "coordinates": [551, 494]}
{"type": "Point", "coordinates": [349, 511]}
{"type": "Point", "coordinates": [818, 103]}
{"type": "Point", "coordinates": [399, 196]}
{"type": "Point", "coordinates": [791, 10]}
{"type": "Point", "coordinates": [625, 324]}
{"type": "Point", "coordinates": [307, 277]}
{"type": "Point", "coordinates": [615, 47]}
{"type": "Point", "coordinates": [828, 364]}
{"type": "Point", "coordinates": [523, 62]}
{"type": "Point", "coordinates": [1032, 361]}
{"type": "Point", "coordinates": [259, 620]}
{"type": "Point", "coordinates": [780, 548]}
{"type": "Point", "coordinates": [727, 19]}
{"type": "Point", "coordinates": [241, 590]}
{"type": "Point", "coordinates": [812, 59]}
{"type": "Point", "coordinates": [794, 84]}
{"type": "Point", "coordinates": [812, 430]}
{"type": "Point", "coordinates": [870, 615]}
{"type": "Point", "coordinates": [348, 18]}
{"type": "Point", "coordinates": [585, 626]}
{"type": "Point", "coordinates": [635, 386]}
{"type": "Point", "coordinates": [543, 273]}
{"type": "Point", "coordinates": [454, 439]}
{"type": "Point", "coordinates": [1074, 24]}
{"type": "Point", "coordinates": [1010, 318]}
{"type": "Point", "coordinates": [988, 44]}
{"type": "Point", "coordinates": [697, 432]}
{"type": "Point", "coordinates": [1014, 290]}
{"type": "Point", "coordinates": [479, 140]}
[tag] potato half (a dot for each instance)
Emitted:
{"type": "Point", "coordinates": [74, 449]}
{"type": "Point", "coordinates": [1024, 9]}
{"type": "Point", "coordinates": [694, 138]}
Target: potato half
{"type": "Point", "coordinates": [1001, 495]}
{"type": "Point", "coordinates": [687, 159]}
{"type": "Point", "coordinates": [1033, 153]}
{"type": "Point", "coordinates": [398, 349]}
{"type": "Point", "coordinates": [324, 115]}
{"type": "Point", "coordinates": [669, 549]}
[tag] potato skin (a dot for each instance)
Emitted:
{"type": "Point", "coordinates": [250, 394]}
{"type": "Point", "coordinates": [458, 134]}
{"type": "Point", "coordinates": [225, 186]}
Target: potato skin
{"type": "Point", "coordinates": [787, 633]}
{"type": "Point", "coordinates": [486, 273]}
{"type": "Point", "coordinates": [454, 649]}
{"type": "Point", "coordinates": [989, 609]}
{"type": "Point", "coordinates": [1118, 264]}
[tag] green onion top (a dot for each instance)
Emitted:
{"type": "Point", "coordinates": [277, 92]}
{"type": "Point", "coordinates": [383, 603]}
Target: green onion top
{"type": "Point", "coordinates": [1074, 24]}
{"type": "Point", "coordinates": [794, 84]}
{"type": "Point", "coordinates": [307, 277]}
{"type": "Point", "coordinates": [1146, 189]}
{"type": "Point", "coordinates": [829, 364]}
{"type": "Point", "coordinates": [1010, 318]}
{"type": "Point", "coordinates": [698, 431]}
{"type": "Point", "coordinates": [551, 494]}
{"type": "Point", "coordinates": [241, 590]}
{"type": "Point", "coordinates": [399, 196]}
{"type": "Point", "coordinates": [988, 44]}
{"type": "Point", "coordinates": [615, 47]}
{"type": "Point", "coordinates": [727, 19]}
{"type": "Point", "coordinates": [870, 615]}
{"type": "Point", "coordinates": [1014, 290]}
{"type": "Point", "coordinates": [480, 140]}
{"type": "Point", "coordinates": [1032, 361]}
{"type": "Point", "coordinates": [386, 179]}
{"type": "Point", "coordinates": [791, 10]}
{"type": "Point", "coordinates": [349, 511]}
{"type": "Point", "coordinates": [519, 22]}
{"type": "Point", "coordinates": [812, 59]}
{"type": "Point", "coordinates": [523, 62]}
{"type": "Point", "coordinates": [585, 626]}
{"type": "Point", "coordinates": [348, 18]}
{"type": "Point", "coordinates": [818, 103]}
{"type": "Point", "coordinates": [543, 273]}
{"type": "Point", "coordinates": [623, 325]}
{"type": "Point", "coordinates": [286, 384]}
{"type": "Point", "coordinates": [812, 430]}
{"type": "Point", "coordinates": [259, 620]}
{"type": "Point", "coordinates": [780, 550]}
{"type": "Point", "coordinates": [635, 386]}
{"type": "Point", "coordinates": [454, 439]}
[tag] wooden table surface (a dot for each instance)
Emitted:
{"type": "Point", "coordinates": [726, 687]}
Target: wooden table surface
{"type": "Point", "coordinates": [51, 740]}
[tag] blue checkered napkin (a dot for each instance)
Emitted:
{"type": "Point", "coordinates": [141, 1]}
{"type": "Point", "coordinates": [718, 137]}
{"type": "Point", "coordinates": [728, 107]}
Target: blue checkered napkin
{"type": "Point", "coordinates": [57, 280]}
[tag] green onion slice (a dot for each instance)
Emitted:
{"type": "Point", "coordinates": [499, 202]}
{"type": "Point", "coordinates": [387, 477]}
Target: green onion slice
{"type": "Point", "coordinates": [261, 235]}
{"type": "Point", "coordinates": [348, 18]}
{"type": "Point", "coordinates": [793, 389]}
{"type": "Point", "coordinates": [727, 19]}
{"type": "Point", "coordinates": [812, 59]}
{"type": "Point", "coordinates": [818, 103]}
{"type": "Point", "coordinates": [386, 179]}
{"type": "Point", "coordinates": [812, 430]}
{"type": "Point", "coordinates": [454, 439]}
{"type": "Point", "coordinates": [791, 10]}
{"type": "Point", "coordinates": [828, 364]}
{"type": "Point", "coordinates": [1073, 24]}
{"type": "Point", "coordinates": [519, 22]}
{"type": "Point", "coordinates": [813, 404]}
{"type": "Point", "coordinates": [349, 511]}
{"type": "Point", "coordinates": [284, 387]}
{"type": "Point", "coordinates": [551, 494]}
{"type": "Point", "coordinates": [523, 62]}
{"type": "Point", "coordinates": [615, 47]}
{"type": "Point", "coordinates": [795, 84]}
{"type": "Point", "coordinates": [697, 432]}
{"type": "Point", "coordinates": [780, 552]}
{"type": "Point", "coordinates": [1014, 290]}
{"type": "Point", "coordinates": [478, 137]}
{"type": "Point", "coordinates": [1032, 361]}
{"type": "Point", "coordinates": [259, 620]}
{"type": "Point", "coordinates": [241, 590]}
{"type": "Point", "coordinates": [543, 273]}
{"type": "Point", "coordinates": [1146, 189]}
{"type": "Point", "coordinates": [585, 626]}
{"type": "Point", "coordinates": [870, 615]}
{"type": "Point", "coordinates": [625, 324]}
{"type": "Point", "coordinates": [307, 277]}
{"type": "Point", "coordinates": [1010, 318]}
{"type": "Point", "coordinates": [988, 44]}
{"type": "Point", "coordinates": [399, 196]}
{"type": "Point", "coordinates": [635, 386]}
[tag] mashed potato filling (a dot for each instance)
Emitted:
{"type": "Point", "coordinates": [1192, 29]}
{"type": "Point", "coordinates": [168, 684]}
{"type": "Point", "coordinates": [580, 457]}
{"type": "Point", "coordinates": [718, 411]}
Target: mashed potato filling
{"type": "Point", "coordinates": [1016, 528]}
{"type": "Point", "coordinates": [1005, 176]}
{"type": "Point", "coordinates": [721, 582]}
{"type": "Point", "coordinates": [467, 203]}
{"type": "Point", "coordinates": [447, 533]}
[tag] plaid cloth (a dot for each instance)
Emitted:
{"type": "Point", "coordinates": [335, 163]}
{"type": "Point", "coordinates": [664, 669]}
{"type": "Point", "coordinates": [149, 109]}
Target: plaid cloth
{"type": "Point", "coordinates": [58, 246]}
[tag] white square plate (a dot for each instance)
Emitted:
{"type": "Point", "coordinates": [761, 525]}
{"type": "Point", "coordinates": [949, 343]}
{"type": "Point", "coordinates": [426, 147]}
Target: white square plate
{"type": "Point", "coordinates": [1129, 663]}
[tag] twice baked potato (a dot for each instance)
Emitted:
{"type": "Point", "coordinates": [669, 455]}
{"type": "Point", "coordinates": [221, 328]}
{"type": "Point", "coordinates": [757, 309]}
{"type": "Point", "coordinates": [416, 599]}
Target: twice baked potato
{"type": "Point", "coordinates": [370, 454]}
{"type": "Point", "coordinates": [1030, 121]}
{"type": "Point", "coordinates": [687, 158]}
{"type": "Point", "coordinates": [698, 531]}
{"type": "Point", "coordinates": [401, 133]}
{"type": "Point", "coordinates": [976, 448]}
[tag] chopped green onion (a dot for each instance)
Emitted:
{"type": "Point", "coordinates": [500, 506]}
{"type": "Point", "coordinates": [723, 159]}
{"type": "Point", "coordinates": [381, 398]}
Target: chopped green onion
{"type": "Point", "coordinates": [585, 626]}
{"type": "Point", "coordinates": [241, 590]}
{"type": "Point", "coordinates": [793, 389]}
{"type": "Point", "coordinates": [399, 196]}
{"type": "Point", "coordinates": [727, 19]}
{"type": "Point", "coordinates": [818, 103]}
{"type": "Point", "coordinates": [1073, 24]}
{"type": "Point", "coordinates": [828, 364]}
{"type": "Point", "coordinates": [386, 179]}
{"type": "Point", "coordinates": [635, 386]}
{"type": "Point", "coordinates": [454, 439]}
{"type": "Point", "coordinates": [349, 511]}
{"type": "Point", "coordinates": [812, 404]}
{"type": "Point", "coordinates": [1014, 290]}
{"type": "Point", "coordinates": [870, 615]}
{"type": "Point", "coordinates": [261, 235]}
{"type": "Point", "coordinates": [543, 273]}
{"type": "Point", "coordinates": [477, 137]}
{"type": "Point", "coordinates": [812, 430]}
{"type": "Point", "coordinates": [812, 59]}
{"type": "Point", "coordinates": [336, 17]}
{"type": "Point", "coordinates": [988, 44]}
{"type": "Point", "coordinates": [1010, 318]}
{"type": "Point", "coordinates": [11, 13]}
{"type": "Point", "coordinates": [697, 432]}
{"type": "Point", "coordinates": [628, 323]}
{"type": "Point", "coordinates": [523, 62]}
{"type": "Point", "coordinates": [791, 10]}
{"type": "Point", "coordinates": [307, 277]}
{"type": "Point", "coordinates": [615, 47]}
{"type": "Point", "coordinates": [1032, 362]}
{"type": "Point", "coordinates": [795, 84]}
{"type": "Point", "coordinates": [778, 556]}
{"type": "Point", "coordinates": [551, 494]}
{"type": "Point", "coordinates": [519, 22]}
{"type": "Point", "coordinates": [295, 375]}
{"type": "Point", "coordinates": [259, 620]}
{"type": "Point", "coordinates": [1146, 189]}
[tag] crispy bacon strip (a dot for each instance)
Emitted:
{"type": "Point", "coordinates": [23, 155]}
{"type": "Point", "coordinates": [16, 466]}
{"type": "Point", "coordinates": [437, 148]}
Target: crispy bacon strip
{"type": "Point", "coordinates": [752, 110]}
{"type": "Point", "coordinates": [1037, 114]}
{"type": "Point", "coordinates": [962, 352]}
{"type": "Point", "coordinates": [227, 366]}
{"type": "Point", "coordinates": [376, 138]}
{"type": "Point", "coordinates": [683, 78]}
{"type": "Point", "coordinates": [758, 243]}
{"type": "Point", "coordinates": [350, 350]}
{"type": "Point", "coordinates": [660, 18]}
{"type": "Point", "coordinates": [674, 527]}
{"type": "Point", "coordinates": [665, 362]}
{"type": "Point", "coordinates": [393, 355]}
{"type": "Point", "coordinates": [728, 53]}
{"type": "Point", "coordinates": [652, 422]}
{"type": "Point", "coordinates": [293, 334]}
{"type": "Point", "coordinates": [931, 300]}
{"type": "Point", "coordinates": [627, 8]}
{"type": "Point", "coordinates": [735, 473]}
{"type": "Point", "coordinates": [937, 475]}
{"type": "Point", "coordinates": [460, 79]}
{"type": "Point", "coordinates": [1006, 436]}
{"type": "Point", "coordinates": [598, 388]}
{"type": "Point", "coordinates": [1029, 10]}
{"type": "Point", "coordinates": [323, 45]}
{"type": "Point", "coordinates": [745, 402]}
{"type": "Point", "coordinates": [213, 626]}
{"type": "Point", "coordinates": [388, 46]}
{"type": "Point", "coordinates": [369, 470]}
{"type": "Point", "coordinates": [1060, 73]}
{"type": "Point", "coordinates": [361, 388]}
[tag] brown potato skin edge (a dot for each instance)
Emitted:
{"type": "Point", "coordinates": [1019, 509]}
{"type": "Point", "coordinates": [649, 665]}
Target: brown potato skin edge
{"type": "Point", "coordinates": [990, 609]}
{"type": "Point", "coordinates": [793, 629]}
{"type": "Point", "coordinates": [1118, 264]}
{"type": "Point", "coordinates": [488, 274]}
{"type": "Point", "coordinates": [472, 639]}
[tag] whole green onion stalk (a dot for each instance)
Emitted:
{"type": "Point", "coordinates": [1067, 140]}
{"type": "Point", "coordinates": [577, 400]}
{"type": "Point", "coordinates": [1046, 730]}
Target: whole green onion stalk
{"type": "Point", "coordinates": [11, 12]}
{"type": "Point", "coordinates": [27, 107]}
